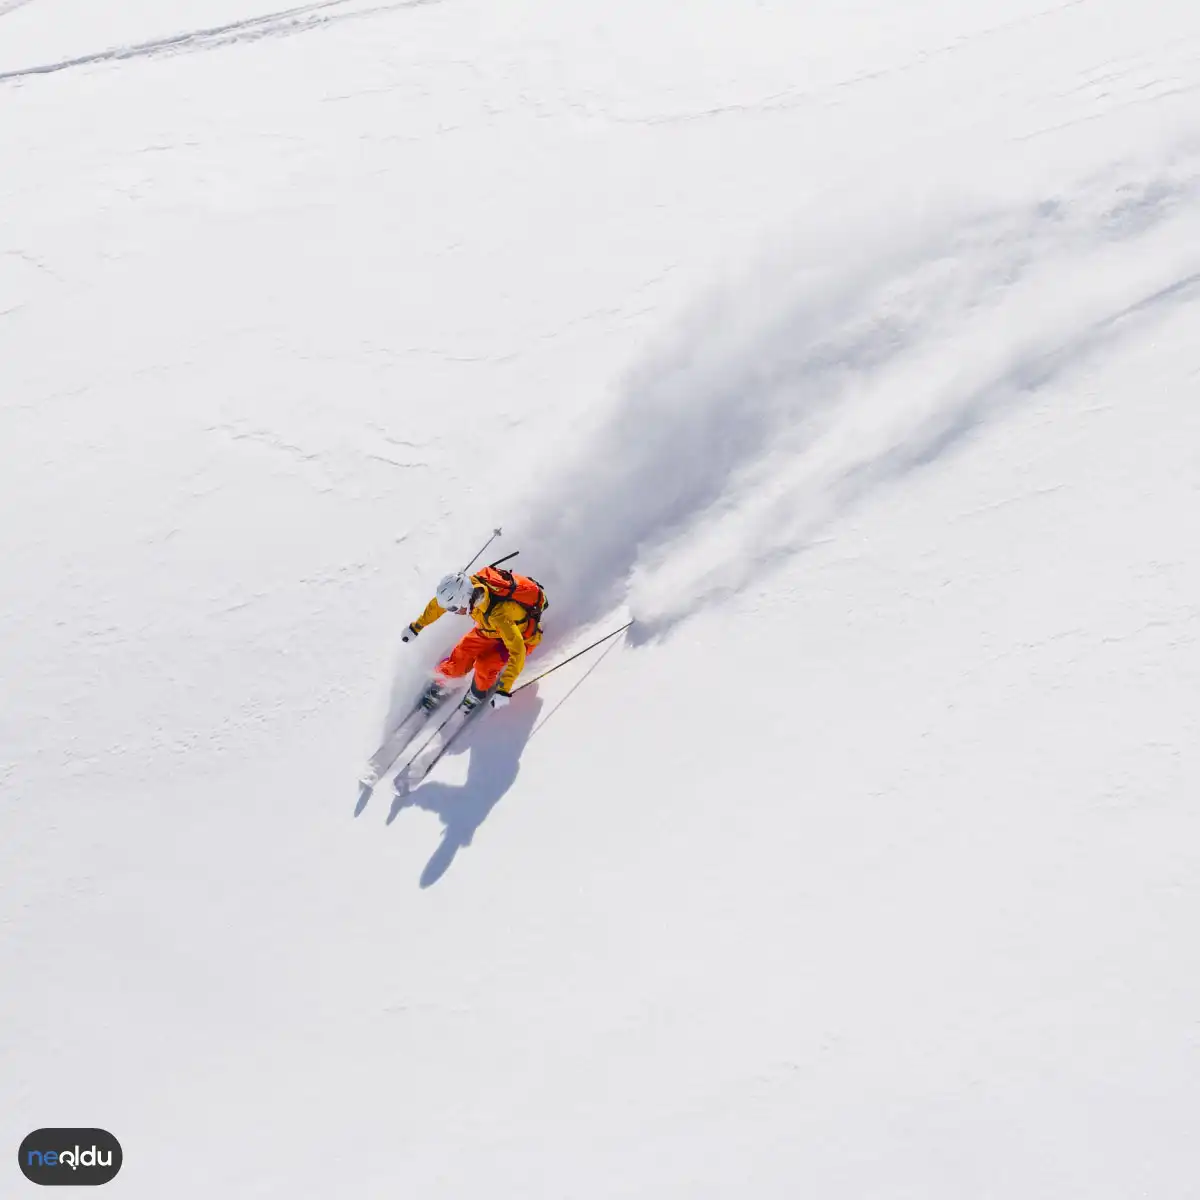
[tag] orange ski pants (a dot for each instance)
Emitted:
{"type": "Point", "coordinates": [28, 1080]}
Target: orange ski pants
{"type": "Point", "coordinates": [486, 654]}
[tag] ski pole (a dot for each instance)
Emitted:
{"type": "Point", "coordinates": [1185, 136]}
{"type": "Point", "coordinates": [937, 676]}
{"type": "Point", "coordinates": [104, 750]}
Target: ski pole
{"type": "Point", "coordinates": [574, 656]}
{"type": "Point", "coordinates": [504, 559]}
{"type": "Point", "coordinates": [495, 534]}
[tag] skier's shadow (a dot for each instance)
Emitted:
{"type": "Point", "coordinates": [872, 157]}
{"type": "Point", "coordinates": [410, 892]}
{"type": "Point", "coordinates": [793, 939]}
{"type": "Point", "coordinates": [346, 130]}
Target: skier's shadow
{"type": "Point", "coordinates": [495, 745]}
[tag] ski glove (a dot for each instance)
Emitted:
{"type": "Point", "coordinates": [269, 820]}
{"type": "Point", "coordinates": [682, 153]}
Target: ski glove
{"type": "Point", "coordinates": [409, 634]}
{"type": "Point", "coordinates": [500, 699]}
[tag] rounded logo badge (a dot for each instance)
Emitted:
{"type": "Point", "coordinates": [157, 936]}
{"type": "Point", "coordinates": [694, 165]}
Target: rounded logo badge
{"type": "Point", "coordinates": [70, 1157]}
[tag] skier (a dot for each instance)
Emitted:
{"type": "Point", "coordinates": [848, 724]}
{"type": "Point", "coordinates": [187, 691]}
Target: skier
{"type": "Point", "coordinates": [507, 611]}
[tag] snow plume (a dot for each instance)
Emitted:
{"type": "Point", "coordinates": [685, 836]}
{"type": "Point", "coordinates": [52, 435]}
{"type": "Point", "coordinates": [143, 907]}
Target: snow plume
{"type": "Point", "coordinates": [786, 400]}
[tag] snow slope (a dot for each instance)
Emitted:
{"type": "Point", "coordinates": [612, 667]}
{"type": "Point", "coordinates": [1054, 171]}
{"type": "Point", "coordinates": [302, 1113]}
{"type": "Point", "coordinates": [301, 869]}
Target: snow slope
{"type": "Point", "coordinates": [852, 348]}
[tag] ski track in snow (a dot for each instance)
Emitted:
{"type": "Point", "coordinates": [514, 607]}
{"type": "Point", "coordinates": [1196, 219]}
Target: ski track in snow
{"type": "Point", "coordinates": [837, 387]}
{"type": "Point", "coordinates": [281, 24]}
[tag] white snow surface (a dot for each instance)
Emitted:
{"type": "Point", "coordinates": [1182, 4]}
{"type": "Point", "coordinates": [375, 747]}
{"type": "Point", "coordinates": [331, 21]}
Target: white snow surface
{"type": "Point", "coordinates": [851, 348]}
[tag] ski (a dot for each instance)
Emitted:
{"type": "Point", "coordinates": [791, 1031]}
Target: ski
{"type": "Point", "coordinates": [427, 757]}
{"type": "Point", "coordinates": [394, 745]}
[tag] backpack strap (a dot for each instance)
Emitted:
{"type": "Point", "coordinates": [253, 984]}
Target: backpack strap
{"type": "Point", "coordinates": [492, 588]}
{"type": "Point", "coordinates": [542, 603]}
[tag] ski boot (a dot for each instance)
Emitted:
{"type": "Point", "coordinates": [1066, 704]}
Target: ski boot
{"type": "Point", "coordinates": [435, 692]}
{"type": "Point", "coordinates": [472, 700]}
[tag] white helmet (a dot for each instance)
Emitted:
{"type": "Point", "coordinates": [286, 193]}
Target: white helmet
{"type": "Point", "coordinates": [454, 593]}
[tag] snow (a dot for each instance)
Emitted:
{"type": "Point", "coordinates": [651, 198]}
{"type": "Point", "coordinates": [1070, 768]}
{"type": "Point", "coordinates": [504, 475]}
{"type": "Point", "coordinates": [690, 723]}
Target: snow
{"type": "Point", "coordinates": [851, 348]}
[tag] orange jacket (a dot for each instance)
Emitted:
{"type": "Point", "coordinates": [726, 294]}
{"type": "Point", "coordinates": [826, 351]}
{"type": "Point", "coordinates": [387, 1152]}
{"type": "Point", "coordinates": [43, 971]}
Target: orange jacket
{"type": "Point", "coordinates": [507, 620]}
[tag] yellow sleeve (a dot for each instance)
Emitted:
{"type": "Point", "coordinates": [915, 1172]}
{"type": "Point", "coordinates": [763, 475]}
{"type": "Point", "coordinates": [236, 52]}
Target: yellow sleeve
{"type": "Point", "coordinates": [510, 635]}
{"type": "Point", "coordinates": [433, 610]}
